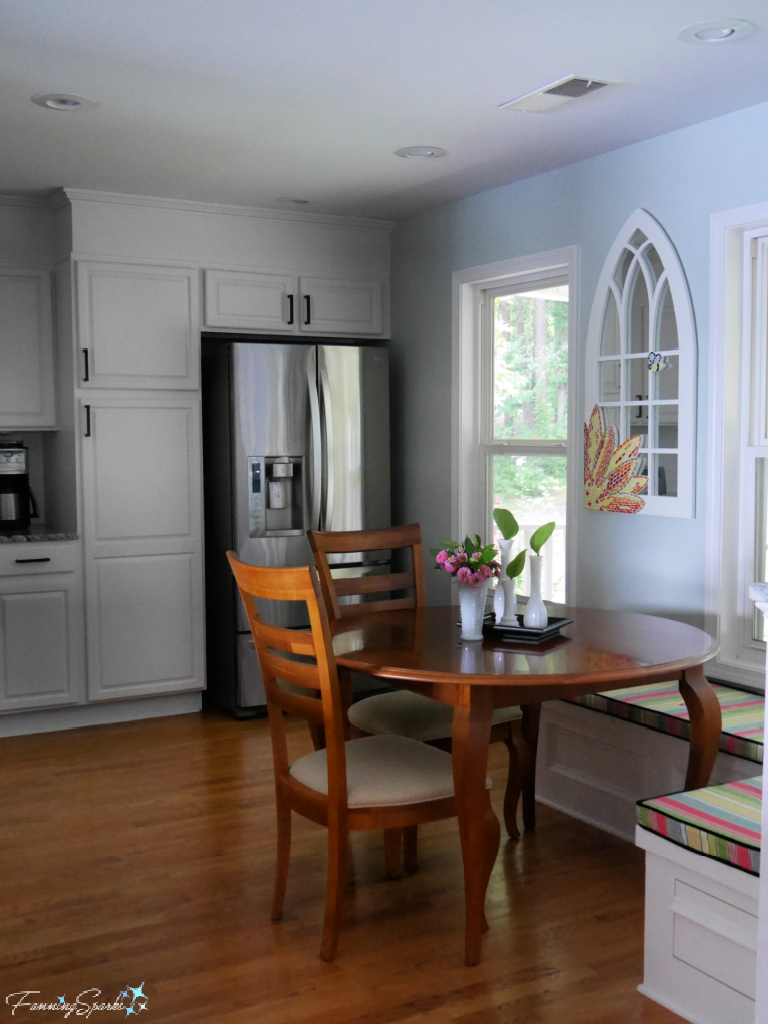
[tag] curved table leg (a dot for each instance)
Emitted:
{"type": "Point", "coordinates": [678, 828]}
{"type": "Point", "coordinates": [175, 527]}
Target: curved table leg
{"type": "Point", "coordinates": [530, 724]}
{"type": "Point", "coordinates": [478, 825]}
{"type": "Point", "coordinates": [706, 726]}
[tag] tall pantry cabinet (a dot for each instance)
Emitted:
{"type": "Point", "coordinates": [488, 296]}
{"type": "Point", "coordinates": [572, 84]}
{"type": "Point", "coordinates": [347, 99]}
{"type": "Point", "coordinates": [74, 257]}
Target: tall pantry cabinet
{"type": "Point", "coordinates": [138, 405]}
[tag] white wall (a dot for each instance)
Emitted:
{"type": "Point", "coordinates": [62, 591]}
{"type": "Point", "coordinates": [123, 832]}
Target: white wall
{"type": "Point", "coordinates": [642, 563]}
{"type": "Point", "coordinates": [26, 231]}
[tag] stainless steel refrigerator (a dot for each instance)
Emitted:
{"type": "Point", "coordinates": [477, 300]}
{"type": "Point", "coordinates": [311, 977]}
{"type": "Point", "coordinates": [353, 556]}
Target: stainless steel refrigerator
{"type": "Point", "coordinates": [295, 437]}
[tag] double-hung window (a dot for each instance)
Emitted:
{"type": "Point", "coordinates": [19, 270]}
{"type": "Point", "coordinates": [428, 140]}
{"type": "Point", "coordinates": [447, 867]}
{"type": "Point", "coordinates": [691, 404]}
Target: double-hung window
{"type": "Point", "coordinates": [737, 542]}
{"type": "Point", "coordinates": [515, 363]}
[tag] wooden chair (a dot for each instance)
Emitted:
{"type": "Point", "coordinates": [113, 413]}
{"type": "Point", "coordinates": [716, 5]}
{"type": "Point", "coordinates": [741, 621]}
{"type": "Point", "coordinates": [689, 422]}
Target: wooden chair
{"type": "Point", "coordinates": [402, 712]}
{"type": "Point", "coordinates": [378, 782]}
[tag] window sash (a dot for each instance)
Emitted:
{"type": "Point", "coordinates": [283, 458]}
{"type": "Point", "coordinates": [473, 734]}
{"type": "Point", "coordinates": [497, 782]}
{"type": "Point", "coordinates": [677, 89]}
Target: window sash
{"type": "Point", "coordinates": [513, 286]}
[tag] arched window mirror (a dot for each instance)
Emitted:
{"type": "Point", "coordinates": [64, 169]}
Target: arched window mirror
{"type": "Point", "coordinates": [640, 427]}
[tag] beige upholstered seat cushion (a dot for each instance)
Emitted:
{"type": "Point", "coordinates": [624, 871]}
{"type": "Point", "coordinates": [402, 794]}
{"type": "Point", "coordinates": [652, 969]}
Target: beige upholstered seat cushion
{"type": "Point", "coordinates": [404, 713]}
{"type": "Point", "coordinates": [383, 771]}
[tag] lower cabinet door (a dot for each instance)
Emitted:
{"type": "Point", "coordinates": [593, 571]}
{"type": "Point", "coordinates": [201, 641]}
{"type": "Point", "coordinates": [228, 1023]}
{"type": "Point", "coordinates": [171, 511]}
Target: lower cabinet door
{"type": "Point", "coordinates": [40, 644]}
{"type": "Point", "coordinates": [142, 515]}
{"type": "Point", "coordinates": [141, 626]}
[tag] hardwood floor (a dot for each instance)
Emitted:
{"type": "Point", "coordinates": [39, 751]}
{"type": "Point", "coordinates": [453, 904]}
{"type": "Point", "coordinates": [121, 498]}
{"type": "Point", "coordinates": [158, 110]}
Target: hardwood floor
{"type": "Point", "coordinates": [145, 852]}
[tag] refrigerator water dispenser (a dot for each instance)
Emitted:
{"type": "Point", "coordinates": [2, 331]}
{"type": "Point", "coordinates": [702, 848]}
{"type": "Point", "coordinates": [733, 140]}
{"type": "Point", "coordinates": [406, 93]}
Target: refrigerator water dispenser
{"type": "Point", "coordinates": [276, 496]}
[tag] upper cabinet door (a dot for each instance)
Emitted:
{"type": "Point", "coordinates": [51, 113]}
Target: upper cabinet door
{"type": "Point", "coordinates": [27, 394]}
{"type": "Point", "coordinates": [331, 306]}
{"type": "Point", "coordinates": [250, 301]}
{"type": "Point", "coordinates": [137, 325]}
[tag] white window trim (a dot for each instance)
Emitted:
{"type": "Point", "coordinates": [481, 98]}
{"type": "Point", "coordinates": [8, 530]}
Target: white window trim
{"type": "Point", "coordinates": [727, 605]}
{"type": "Point", "coordinates": [683, 505]}
{"type": "Point", "coordinates": [468, 469]}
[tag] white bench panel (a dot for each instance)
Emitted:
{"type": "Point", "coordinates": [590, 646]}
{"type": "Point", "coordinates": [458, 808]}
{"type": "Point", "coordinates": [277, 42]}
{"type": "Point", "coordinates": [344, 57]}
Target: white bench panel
{"type": "Point", "coordinates": [700, 934]}
{"type": "Point", "coordinates": [595, 767]}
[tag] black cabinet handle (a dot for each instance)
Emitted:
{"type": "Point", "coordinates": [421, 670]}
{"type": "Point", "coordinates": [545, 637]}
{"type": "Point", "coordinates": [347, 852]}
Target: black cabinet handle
{"type": "Point", "coordinates": [23, 561]}
{"type": "Point", "coordinates": [87, 366]}
{"type": "Point", "coordinates": [309, 309]}
{"type": "Point", "coordinates": [290, 309]}
{"type": "Point", "coordinates": [87, 421]}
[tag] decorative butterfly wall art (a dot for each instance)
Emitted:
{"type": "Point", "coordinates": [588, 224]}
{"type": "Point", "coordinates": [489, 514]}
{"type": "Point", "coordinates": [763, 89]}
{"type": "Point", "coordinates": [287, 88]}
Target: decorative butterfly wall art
{"type": "Point", "coordinates": [657, 362]}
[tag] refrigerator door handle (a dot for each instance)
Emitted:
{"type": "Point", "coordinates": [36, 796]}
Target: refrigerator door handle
{"type": "Point", "coordinates": [317, 447]}
{"type": "Point", "coordinates": [329, 450]}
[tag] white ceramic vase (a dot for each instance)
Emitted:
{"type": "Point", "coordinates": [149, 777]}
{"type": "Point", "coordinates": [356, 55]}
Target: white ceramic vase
{"type": "Point", "coordinates": [536, 615]}
{"type": "Point", "coordinates": [499, 596]}
{"type": "Point", "coordinates": [498, 600]}
{"type": "Point", "coordinates": [472, 607]}
{"type": "Point", "coordinates": [509, 616]}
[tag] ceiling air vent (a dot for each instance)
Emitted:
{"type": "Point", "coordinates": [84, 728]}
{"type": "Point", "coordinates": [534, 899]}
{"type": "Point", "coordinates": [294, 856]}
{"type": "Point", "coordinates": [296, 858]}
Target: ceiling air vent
{"type": "Point", "coordinates": [555, 94]}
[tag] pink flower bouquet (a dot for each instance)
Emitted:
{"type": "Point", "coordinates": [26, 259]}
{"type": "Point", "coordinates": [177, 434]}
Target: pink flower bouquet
{"type": "Point", "coordinates": [471, 562]}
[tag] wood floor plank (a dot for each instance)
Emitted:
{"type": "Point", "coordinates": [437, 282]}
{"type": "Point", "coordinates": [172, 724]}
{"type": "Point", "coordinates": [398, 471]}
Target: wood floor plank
{"type": "Point", "coordinates": [144, 852]}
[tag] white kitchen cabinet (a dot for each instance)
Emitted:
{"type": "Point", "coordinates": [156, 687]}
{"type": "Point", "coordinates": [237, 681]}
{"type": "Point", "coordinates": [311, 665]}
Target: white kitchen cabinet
{"type": "Point", "coordinates": [138, 325]}
{"type": "Point", "coordinates": [331, 306]}
{"type": "Point", "coordinates": [41, 626]}
{"type": "Point", "coordinates": [143, 545]}
{"type": "Point", "coordinates": [283, 303]}
{"type": "Point", "coordinates": [250, 301]}
{"type": "Point", "coordinates": [27, 394]}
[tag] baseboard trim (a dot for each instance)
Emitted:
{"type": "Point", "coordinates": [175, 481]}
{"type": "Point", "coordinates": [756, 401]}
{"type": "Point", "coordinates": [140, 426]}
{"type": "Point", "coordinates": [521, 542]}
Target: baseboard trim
{"type": "Point", "coordinates": [26, 723]}
{"type": "Point", "coordinates": [670, 1005]}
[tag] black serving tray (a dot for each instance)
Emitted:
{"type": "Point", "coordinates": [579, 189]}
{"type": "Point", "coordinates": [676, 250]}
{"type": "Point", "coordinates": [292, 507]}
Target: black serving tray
{"type": "Point", "coordinates": [520, 633]}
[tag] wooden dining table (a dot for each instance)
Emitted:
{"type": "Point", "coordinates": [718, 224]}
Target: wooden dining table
{"type": "Point", "coordinates": [421, 650]}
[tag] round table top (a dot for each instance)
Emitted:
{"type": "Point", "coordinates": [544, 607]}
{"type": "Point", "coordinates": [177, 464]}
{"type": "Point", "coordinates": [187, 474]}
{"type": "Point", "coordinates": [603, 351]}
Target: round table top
{"type": "Point", "coordinates": [598, 647]}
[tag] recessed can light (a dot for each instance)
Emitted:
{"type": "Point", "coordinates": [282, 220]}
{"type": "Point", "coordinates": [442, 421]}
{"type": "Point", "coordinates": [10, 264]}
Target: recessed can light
{"type": "Point", "coordinates": [63, 101]}
{"type": "Point", "coordinates": [292, 202]}
{"type": "Point", "coordinates": [420, 152]}
{"type": "Point", "coordinates": [726, 30]}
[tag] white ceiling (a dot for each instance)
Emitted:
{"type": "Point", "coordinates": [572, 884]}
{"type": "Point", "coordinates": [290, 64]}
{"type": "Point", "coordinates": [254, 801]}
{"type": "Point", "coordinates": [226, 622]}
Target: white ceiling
{"type": "Point", "coordinates": [244, 101]}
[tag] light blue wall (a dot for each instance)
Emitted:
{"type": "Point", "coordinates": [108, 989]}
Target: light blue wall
{"type": "Point", "coordinates": [644, 563]}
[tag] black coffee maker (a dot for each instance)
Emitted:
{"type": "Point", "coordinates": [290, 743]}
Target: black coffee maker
{"type": "Point", "coordinates": [17, 502]}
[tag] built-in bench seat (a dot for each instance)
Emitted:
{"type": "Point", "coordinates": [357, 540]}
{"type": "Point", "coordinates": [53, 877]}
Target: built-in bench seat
{"type": "Point", "coordinates": [661, 708]}
{"type": "Point", "coordinates": [702, 853]}
{"type": "Point", "coordinates": [721, 821]}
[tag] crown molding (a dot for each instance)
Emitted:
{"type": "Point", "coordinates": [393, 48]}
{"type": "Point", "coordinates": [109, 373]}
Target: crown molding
{"type": "Point", "coordinates": [25, 202]}
{"type": "Point", "coordinates": [64, 196]}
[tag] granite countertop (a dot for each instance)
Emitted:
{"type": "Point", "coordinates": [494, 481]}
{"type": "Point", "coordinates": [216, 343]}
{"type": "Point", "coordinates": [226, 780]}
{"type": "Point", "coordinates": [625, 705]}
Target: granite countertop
{"type": "Point", "coordinates": [35, 533]}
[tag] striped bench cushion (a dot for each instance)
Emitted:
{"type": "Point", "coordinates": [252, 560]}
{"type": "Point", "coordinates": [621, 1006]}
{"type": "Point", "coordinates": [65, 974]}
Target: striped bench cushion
{"type": "Point", "coordinates": [660, 707]}
{"type": "Point", "coordinates": [721, 821]}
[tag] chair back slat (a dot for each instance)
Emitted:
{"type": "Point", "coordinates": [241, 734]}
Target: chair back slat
{"type": "Point", "coordinates": [295, 641]}
{"type": "Point", "coordinates": [374, 584]}
{"type": "Point", "coordinates": [297, 672]}
{"type": "Point", "coordinates": [297, 584]}
{"type": "Point", "coordinates": [393, 538]}
{"type": "Point", "coordinates": [308, 708]}
{"type": "Point", "coordinates": [348, 610]}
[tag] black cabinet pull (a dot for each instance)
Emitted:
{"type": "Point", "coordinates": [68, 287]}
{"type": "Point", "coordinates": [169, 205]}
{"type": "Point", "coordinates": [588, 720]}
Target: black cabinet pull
{"type": "Point", "coordinates": [87, 421]}
{"type": "Point", "coordinates": [87, 365]}
{"type": "Point", "coordinates": [309, 309]}
{"type": "Point", "coordinates": [24, 561]}
{"type": "Point", "coordinates": [290, 309]}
